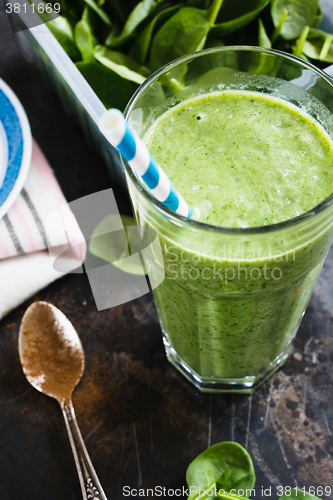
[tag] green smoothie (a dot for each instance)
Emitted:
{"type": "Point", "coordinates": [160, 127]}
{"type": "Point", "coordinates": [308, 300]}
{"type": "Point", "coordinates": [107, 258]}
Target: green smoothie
{"type": "Point", "coordinates": [244, 159]}
{"type": "Point", "coordinates": [230, 309]}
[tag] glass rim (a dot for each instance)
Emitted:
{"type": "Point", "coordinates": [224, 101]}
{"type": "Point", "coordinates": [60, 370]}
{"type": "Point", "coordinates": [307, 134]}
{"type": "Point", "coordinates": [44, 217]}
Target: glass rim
{"type": "Point", "coordinates": [195, 224]}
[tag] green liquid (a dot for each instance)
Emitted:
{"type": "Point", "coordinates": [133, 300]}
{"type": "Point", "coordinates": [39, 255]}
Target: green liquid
{"type": "Point", "coordinates": [242, 159]}
{"type": "Point", "coordinates": [239, 159]}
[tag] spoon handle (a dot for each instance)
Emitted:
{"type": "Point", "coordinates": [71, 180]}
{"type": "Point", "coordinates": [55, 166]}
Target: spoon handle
{"type": "Point", "coordinates": [90, 485]}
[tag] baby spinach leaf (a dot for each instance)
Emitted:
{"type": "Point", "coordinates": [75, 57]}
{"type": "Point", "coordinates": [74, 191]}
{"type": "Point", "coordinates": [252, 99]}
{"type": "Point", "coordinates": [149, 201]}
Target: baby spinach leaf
{"type": "Point", "coordinates": [141, 45]}
{"type": "Point", "coordinates": [185, 32]}
{"type": "Point", "coordinates": [299, 495]}
{"type": "Point", "coordinates": [84, 35]}
{"type": "Point", "coordinates": [101, 13]}
{"type": "Point", "coordinates": [84, 40]}
{"type": "Point", "coordinates": [90, 16]}
{"type": "Point", "coordinates": [249, 12]}
{"type": "Point", "coordinates": [121, 64]}
{"type": "Point", "coordinates": [301, 13]}
{"type": "Point", "coordinates": [112, 90]}
{"type": "Point", "coordinates": [138, 14]}
{"type": "Point", "coordinates": [318, 19]}
{"type": "Point", "coordinates": [265, 64]}
{"type": "Point", "coordinates": [319, 45]}
{"type": "Point", "coordinates": [212, 41]}
{"type": "Point", "coordinates": [63, 31]}
{"type": "Point", "coordinates": [278, 28]}
{"type": "Point", "coordinates": [225, 465]}
{"type": "Point", "coordinates": [298, 48]}
{"type": "Point", "coordinates": [111, 242]}
{"type": "Point", "coordinates": [264, 40]}
{"type": "Point", "coordinates": [217, 77]}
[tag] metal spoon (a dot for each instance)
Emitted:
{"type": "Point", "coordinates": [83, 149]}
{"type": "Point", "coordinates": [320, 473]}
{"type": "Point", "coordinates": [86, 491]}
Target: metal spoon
{"type": "Point", "coordinates": [52, 359]}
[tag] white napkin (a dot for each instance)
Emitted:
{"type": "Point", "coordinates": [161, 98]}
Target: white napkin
{"type": "Point", "coordinates": [40, 239]}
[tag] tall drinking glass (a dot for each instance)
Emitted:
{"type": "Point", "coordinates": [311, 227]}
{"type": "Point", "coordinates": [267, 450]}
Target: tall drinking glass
{"type": "Point", "coordinates": [231, 299]}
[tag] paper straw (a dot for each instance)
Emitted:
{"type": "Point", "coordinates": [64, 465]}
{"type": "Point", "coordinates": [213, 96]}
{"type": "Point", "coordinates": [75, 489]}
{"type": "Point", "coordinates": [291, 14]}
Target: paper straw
{"type": "Point", "coordinates": [117, 131]}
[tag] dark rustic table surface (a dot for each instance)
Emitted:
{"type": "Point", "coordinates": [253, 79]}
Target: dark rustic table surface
{"type": "Point", "coordinates": [141, 421]}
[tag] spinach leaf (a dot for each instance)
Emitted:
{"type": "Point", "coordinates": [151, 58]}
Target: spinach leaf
{"type": "Point", "coordinates": [318, 19]}
{"type": "Point", "coordinates": [278, 28]}
{"type": "Point", "coordinates": [138, 14]}
{"type": "Point", "coordinates": [215, 78]}
{"type": "Point", "coordinates": [141, 45]}
{"type": "Point", "coordinates": [112, 90]}
{"type": "Point", "coordinates": [100, 12]}
{"type": "Point", "coordinates": [121, 64]}
{"type": "Point", "coordinates": [63, 31]}
{"type": "Point", "coordinates": [94, 21]}
{"type": "Point", "coordinates": [298, 495]}
{"type": "Point", "coordinates": [251, 11]}
{"type": "Point", "coordinates": [185, 32]}
{"type": "Point", "coordinates": [212, 41]}
{"type": "Point", "coordinates": [112, 241]}
{"type": "Point", "coordinates": [319, 45]}
{"type": "Point", "coordinates": [225, 465]}
{"type": "Point", "coordinates": [301, 13]}
{"type": "Point", "coordinates": [298, 48]}
{"type": "Point", "coordinates": [85, 40]}
{"type": "Point", "coordinates": [264, 40]}
{"type": "Point", "coordinates": [84, 35]}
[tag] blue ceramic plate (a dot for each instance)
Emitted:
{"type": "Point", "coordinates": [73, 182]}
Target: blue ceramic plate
{"type": "Point", "coordinates": [15, 147]}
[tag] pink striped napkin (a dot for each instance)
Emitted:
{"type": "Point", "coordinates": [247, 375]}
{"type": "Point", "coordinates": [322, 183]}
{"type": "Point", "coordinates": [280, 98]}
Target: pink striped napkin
{"type": "Point", "coordinates": [38, 229]}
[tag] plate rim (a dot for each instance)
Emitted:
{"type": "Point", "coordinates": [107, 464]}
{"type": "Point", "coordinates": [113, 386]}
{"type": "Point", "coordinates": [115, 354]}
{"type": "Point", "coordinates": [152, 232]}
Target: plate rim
{"type": "Point", "coordinates": [27, 148]}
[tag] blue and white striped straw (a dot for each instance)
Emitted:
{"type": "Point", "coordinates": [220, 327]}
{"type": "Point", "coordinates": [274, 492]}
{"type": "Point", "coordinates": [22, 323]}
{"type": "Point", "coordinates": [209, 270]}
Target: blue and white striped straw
{"type": "Point", "coordinates": [117, 131]}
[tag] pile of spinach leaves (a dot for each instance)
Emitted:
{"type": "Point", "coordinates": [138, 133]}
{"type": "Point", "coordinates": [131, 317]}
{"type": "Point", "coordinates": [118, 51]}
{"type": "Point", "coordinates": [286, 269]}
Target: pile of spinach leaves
{"type": "Point", "coordinates": [225, 469]}
{"type": "Point", "coordinates": [116, 44]}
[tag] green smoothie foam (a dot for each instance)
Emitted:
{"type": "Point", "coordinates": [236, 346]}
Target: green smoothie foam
{"type": "Point", "coordinates": [240, 159]}
{"type": "Point", "coordinates": [243, 159]}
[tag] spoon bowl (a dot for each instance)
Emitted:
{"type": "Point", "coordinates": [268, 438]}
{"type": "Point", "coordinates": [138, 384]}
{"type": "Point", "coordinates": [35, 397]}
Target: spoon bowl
{"type": "Point", "coordinates": [51, 352]}
{"type": "Point", "coordinates": [52, 360]}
